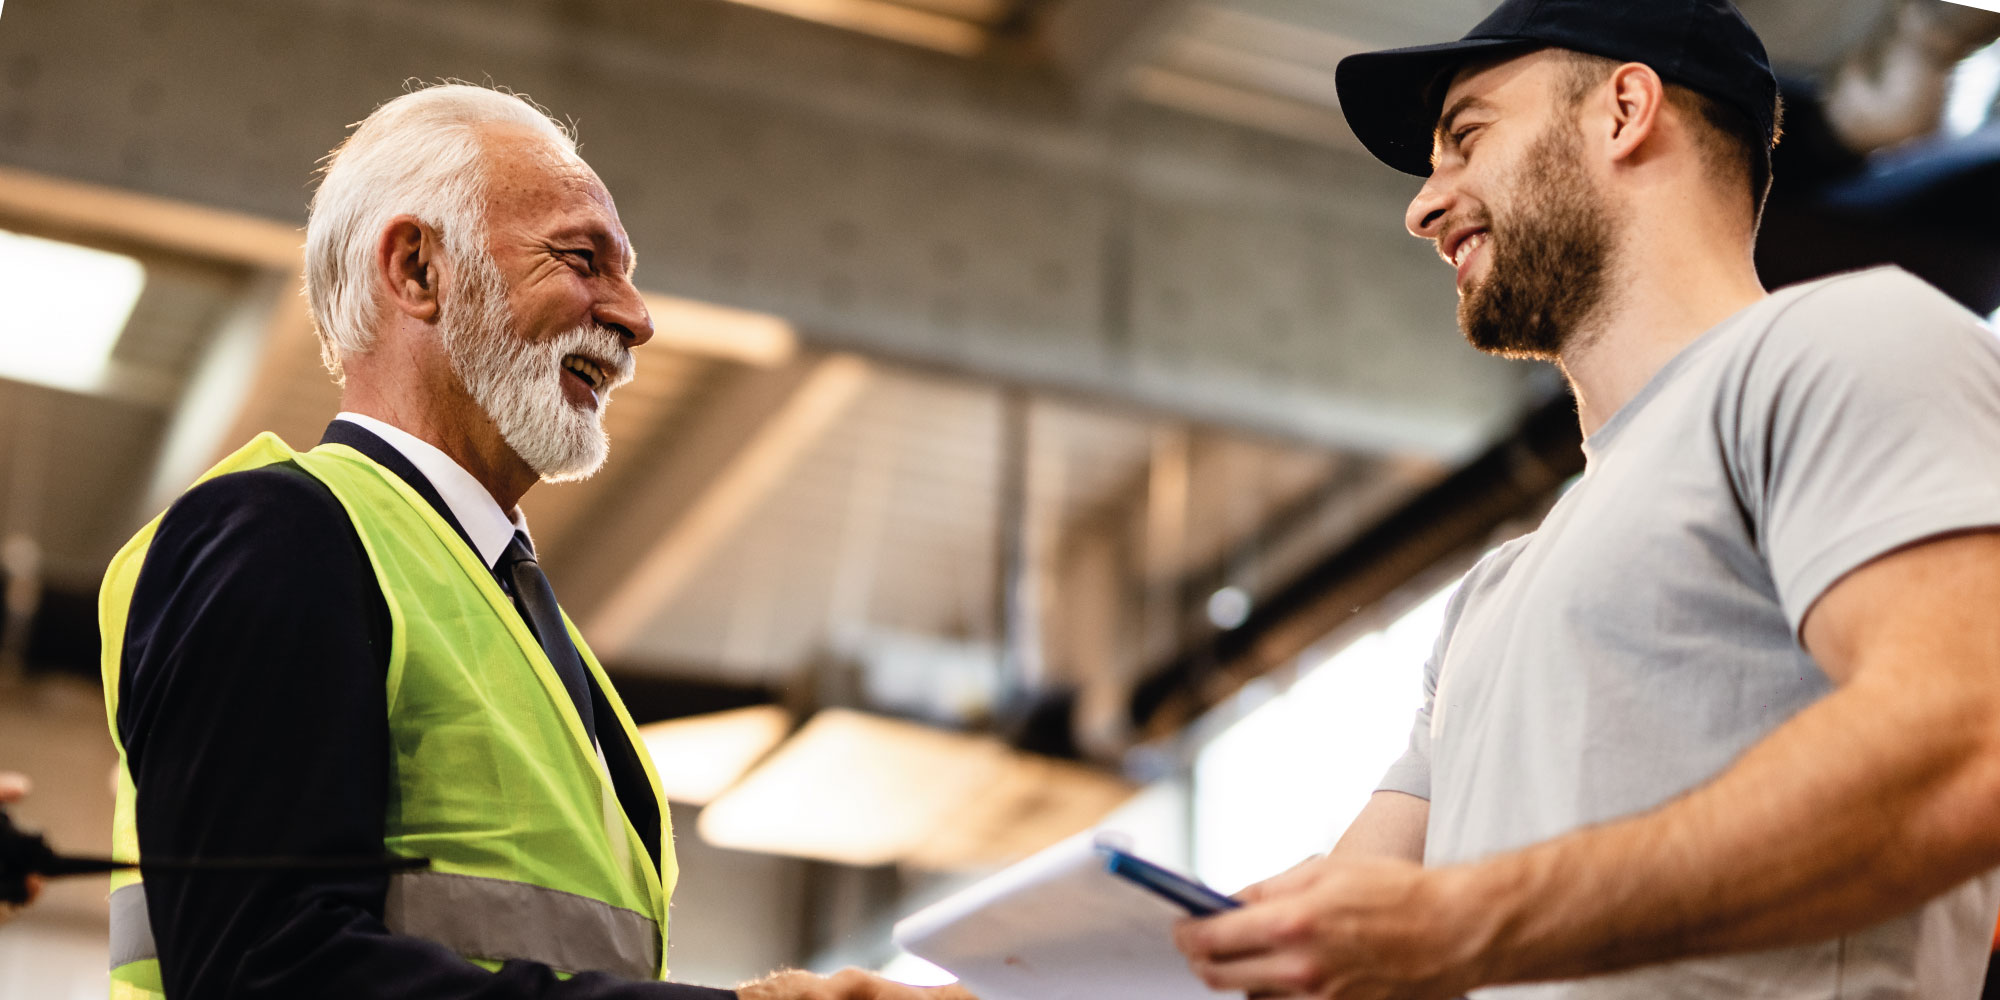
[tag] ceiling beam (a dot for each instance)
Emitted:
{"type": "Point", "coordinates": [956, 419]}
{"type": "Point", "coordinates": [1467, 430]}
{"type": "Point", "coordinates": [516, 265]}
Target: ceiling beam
{"type": "Point", "coordinates": [720, 332]}
{"type": "Point", "coordinates": [690, 492]}
{"type": "Point", "coordinates": [1100, 42]}
{"type": "Point", "coordinates": [883, 19]}
{"type": "Point", "coordinates": [1453, 519]}
{"type": "Point", "coordinates": [1259, 107]}
{"type": "Point", "coordinates": [93, 213]}
{"type": "Point", "coordinates": [252, 359]}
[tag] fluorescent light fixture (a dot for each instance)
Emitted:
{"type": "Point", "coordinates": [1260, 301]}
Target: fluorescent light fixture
{"type": "Point", "coordinates": [860, 789]}
{"type": "Point", "coordinates": [1993, 5]}
{"type": "Point", "coordinates": [720, 331]}
{"type": "Point", "coordinates": [62, 307]}
{"type": "Point", "coordinates": [700, 756]}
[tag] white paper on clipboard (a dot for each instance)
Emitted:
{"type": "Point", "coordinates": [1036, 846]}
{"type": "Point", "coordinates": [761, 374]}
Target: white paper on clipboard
{"type": "Point", "coordinates": [1057, 927]}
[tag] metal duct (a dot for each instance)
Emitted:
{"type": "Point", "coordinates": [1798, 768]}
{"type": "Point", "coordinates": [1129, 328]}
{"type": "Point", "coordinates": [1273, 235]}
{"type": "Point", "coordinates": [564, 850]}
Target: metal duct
{"type": "Point", "coordinates": [1892, 89]}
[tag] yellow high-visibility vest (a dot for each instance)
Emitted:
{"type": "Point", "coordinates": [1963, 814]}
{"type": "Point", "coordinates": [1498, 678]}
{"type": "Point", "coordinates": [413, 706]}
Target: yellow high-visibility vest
{"type": "Point", "coordinates": [493, 776]}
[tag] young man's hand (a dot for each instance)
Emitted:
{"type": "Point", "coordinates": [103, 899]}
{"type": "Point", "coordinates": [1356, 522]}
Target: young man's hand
{"type": "Point", "coordinates": [12, 788]}
{"type": "Point", "coordinates": [1336, 928]}
{"type": "Point", "coordinates": [847, 984]}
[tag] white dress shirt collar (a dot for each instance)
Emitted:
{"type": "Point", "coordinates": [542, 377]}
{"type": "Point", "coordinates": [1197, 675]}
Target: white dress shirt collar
{"type": "Point", "coordinates": [489, 527]}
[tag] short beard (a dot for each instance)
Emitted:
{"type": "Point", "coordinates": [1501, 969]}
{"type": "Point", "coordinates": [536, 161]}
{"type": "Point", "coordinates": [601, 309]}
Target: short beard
{"type": "Point", "coordinates": [518, 383]}
{"type": "Point", "coordinates": [1551, 256]}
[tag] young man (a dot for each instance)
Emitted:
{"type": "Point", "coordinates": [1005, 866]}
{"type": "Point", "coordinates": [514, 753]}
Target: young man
{"type": "Point", "coordinates": [1728, 724]}
{"type": "Point", "coordinates": [351, 652]}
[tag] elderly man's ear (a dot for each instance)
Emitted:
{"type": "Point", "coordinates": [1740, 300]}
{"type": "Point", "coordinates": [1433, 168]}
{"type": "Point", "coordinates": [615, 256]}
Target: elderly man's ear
{"type": "Point", "coordinates": [407, 259]}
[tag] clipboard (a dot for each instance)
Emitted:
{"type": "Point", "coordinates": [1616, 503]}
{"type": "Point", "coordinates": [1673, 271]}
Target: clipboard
{"type": "Point", "coordinates": [1059, 926]}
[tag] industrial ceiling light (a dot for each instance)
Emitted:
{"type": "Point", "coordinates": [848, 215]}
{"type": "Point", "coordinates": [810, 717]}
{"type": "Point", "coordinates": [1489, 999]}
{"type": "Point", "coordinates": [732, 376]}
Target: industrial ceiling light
{"type": "Point", "coordinates": [62, 307]}
{"type": "Point", "coordinates": [861, 789]}
{"type": "Point", "coordinates": [700, 756]}
{"type": "Point", "coordinates": [1229, 607]}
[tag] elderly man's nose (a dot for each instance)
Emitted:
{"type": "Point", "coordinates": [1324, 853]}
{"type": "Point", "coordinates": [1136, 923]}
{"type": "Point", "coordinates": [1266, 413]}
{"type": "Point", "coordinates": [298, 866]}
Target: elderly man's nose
{"type": "Point", "coordinates": [627, 314]}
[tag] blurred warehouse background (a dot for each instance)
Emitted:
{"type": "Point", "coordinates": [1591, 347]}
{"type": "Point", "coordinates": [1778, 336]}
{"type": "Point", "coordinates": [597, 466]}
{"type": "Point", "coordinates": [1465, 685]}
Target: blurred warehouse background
{"type": "Point", "coordinates": [1049, 418]}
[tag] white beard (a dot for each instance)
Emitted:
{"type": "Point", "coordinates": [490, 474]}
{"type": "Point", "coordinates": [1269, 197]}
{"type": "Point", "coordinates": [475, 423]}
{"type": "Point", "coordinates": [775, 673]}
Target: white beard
{"type": "Point", "coordinates": [519, 383]}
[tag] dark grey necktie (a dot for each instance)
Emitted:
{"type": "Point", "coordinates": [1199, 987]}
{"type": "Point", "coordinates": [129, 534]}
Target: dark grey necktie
{"type": "Point", "coordinates": [536, 601]}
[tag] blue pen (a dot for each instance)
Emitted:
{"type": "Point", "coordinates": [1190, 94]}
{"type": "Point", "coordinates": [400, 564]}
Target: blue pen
{"type": "Point", "coordinates": [1199, 900]}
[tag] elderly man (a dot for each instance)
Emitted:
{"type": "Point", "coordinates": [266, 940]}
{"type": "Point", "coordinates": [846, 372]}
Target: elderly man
{"type": "Point", "coordinates": [1728, 724]}
{"type": "Point", "coordinates": [351, 653]}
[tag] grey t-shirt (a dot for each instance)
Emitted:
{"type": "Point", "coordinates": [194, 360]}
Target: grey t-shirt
{"type": "Point", "coordinates": [1647, 634]}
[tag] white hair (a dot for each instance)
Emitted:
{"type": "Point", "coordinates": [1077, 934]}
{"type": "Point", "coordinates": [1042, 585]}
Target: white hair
{"type": "Point", "coordinates": [421, 154]}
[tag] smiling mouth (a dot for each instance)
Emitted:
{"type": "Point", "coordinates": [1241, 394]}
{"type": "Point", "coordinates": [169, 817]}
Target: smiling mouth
{"type": "Point", "coordinates": [585, 369]}
{"type": "Point", "coordinates": [1467, 246]}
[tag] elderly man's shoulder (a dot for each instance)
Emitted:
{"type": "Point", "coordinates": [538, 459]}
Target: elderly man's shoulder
{"type": "Point", "coordinates": [277, 511]}
{"type": "Point", "coordinates": [268, 555]}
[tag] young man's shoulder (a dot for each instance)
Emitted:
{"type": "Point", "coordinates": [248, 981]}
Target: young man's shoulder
{"type": "Point", "coordinates": [1879, 310]}
{"type": "Point", "coordinates": [1860, 324]}
{"type": "Point", "coordinates": [1485, 576]}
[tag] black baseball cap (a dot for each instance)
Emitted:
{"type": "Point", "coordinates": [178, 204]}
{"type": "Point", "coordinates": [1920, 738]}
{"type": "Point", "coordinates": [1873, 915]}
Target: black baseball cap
{"type": "Point", "coordinates": [1392, 99]}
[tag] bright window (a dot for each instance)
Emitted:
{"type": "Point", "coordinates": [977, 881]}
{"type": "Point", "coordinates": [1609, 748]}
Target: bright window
{"type": "Point", "coordinates": [908, 968]}
{"type": "Point", "coordinates": [62, 308]}
{"type": "Point", "coordinates": [1974, 85]}
{"type": "Point", "coordinates": [1282, 782]}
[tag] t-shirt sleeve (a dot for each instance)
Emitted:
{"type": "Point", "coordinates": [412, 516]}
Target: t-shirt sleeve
{"type": "Point", "coordinates": [1411, 773]}
{"type": "Point", "coordinates": [1869, 420]}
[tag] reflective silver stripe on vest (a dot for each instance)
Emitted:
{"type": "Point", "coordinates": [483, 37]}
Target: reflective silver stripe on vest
{"type": "Point", "coordinates": [497, 919]}
{"type": "Point", "coordinates": [131, 931]}
{"type": "Point", "coordinates": [475, 917]}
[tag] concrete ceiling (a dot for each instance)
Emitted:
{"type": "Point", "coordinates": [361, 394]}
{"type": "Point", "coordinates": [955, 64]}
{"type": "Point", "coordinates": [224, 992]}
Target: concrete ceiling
{"type": "Point", "coordinates": [963, 213]}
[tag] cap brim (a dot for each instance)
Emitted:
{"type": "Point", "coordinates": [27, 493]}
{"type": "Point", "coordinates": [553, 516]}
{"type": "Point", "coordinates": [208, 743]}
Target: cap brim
{"type": "Point", "coordinates": [1387, 97]}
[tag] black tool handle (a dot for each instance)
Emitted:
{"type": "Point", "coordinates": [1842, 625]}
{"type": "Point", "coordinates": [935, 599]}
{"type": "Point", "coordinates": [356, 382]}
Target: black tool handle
{"type": "Point", "coordinates": [23, 854]}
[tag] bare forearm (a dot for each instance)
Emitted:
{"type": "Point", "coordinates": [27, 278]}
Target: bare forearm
{"type": "Point", "coordinates": [1875, 799]}
{"type": "Point", "coordinates": [1391, 825]}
